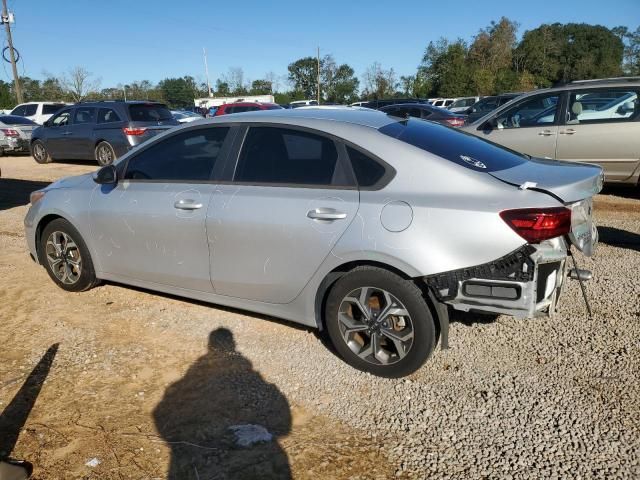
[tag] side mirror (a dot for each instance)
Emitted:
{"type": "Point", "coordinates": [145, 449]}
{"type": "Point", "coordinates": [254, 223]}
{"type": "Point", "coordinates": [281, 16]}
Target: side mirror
{"type": "Point", "coordinates": [107, 175]}
{"type": "Point", "coordinates": [491, 124]}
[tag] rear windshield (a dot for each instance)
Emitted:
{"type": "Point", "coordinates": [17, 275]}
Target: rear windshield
{"type": "Point", "coordinates": [149, 112]}
{"type": "Point", "coordinates": [459, 147]}
{"type": "Point", "coordinates": [16, 120]}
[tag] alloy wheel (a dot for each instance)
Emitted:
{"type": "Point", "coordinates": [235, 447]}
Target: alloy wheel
{"type": "Point", "coordinates": [375, 325]}
{"type": "Point", "coordinates": [105, 155]}
{"type": "Point", "coordinates": [39, 152]}
{"type": "Point", "coordinates": [63, 257]}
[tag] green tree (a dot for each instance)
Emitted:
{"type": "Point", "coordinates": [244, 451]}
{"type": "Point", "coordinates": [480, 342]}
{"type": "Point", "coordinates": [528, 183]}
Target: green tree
{"type": "Point", "coordinates": [444, 66]}
{"type": "Point", "coordinates": [303, 75]}
{"type": "Point", "coordinates": [7, 100]}
{"type": "Point", "coordinates": [338, 83]}
{"type": "Point", "coordinates": [379, 83]}
{"type": "Point", "coordinates": [261, 87]}
{"type": "Point", "coordinates": [631, 53]}
{"type": "Point", "coordinates": [179, 92]}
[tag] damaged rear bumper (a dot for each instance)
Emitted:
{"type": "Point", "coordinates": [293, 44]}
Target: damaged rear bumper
{"type": "Point", "coordinates": [525, 283]}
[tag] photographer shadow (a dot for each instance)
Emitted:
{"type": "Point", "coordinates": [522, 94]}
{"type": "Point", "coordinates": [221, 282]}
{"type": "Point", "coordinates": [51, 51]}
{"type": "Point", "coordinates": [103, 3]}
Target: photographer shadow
{"type": "Point", "coordinates": [221, 390]}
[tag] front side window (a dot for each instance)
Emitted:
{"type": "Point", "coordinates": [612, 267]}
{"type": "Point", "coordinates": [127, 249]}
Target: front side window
{"type": "Point", "coordinates": [107, 115]}
{"type": "Point", "coordinates": [534, 112]}
{"type": "Point", "coordinates": [19, 110]}
{"type": "Point", "coordinates": [284, 156]}
{"type": "Point", "coordinates": [603, 105]}
{"type": "Point", "coordinates": [84, 115]}
{"type": "Point", "coordinates": [188, 156]}
{"type": "Point", "coordinates": [61, 119]}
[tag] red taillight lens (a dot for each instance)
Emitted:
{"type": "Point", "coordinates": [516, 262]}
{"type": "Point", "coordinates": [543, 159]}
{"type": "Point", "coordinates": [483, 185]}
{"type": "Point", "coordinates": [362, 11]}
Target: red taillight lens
{"type": "Point", "coordinates": [134, 130]}
{"type": "Point", "coordinates": [10, 132]}
{"type": "Point", "coordinates": [538, 224]}
{"type": "Point", "coordinates": [455, 122]}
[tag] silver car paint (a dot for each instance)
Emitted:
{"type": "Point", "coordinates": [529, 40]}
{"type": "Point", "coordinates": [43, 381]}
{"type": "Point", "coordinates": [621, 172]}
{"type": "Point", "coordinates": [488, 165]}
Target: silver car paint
{"type": "Point", "coordinates": [448, 220]}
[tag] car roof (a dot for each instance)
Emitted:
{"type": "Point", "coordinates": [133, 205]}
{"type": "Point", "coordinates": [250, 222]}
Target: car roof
{"type": "Point", "coordinates": [363, 117]}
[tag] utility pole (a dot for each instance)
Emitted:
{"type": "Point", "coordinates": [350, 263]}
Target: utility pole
{"type": "Point", "coordinates": [12, 55]}
{"type": "Point", "coordinates": [318, 73]}
{"type": "Point", "coordinates": [206, 71]}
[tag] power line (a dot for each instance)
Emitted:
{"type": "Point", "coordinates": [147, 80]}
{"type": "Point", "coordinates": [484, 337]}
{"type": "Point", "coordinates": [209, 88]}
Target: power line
{"type": "Point", "coordinates": [7, 19]}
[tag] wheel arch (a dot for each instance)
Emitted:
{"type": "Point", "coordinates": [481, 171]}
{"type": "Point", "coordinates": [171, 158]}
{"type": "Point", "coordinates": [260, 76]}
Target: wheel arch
{"type": "Point", "coordinates": [437, 311]}
{"type": "Point", "coordinates": [42, 224]}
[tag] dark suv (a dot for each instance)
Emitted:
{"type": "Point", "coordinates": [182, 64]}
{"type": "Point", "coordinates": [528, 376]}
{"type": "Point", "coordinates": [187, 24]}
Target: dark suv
{"type": "Point", "coordinates": [102, 131]}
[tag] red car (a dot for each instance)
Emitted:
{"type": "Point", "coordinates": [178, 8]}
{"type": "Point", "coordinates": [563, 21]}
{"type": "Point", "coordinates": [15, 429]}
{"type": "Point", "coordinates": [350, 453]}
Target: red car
{"type": "Point", "coordinates": [245, 107]}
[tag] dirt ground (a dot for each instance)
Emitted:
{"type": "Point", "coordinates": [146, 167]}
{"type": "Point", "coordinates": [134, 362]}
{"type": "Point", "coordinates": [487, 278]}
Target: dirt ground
{"type": "Point", "coordinates": [91, 383]}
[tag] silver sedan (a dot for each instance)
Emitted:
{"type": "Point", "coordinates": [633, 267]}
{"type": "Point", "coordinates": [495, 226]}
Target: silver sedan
{"type": "Point", "coordinates": [369, 226]}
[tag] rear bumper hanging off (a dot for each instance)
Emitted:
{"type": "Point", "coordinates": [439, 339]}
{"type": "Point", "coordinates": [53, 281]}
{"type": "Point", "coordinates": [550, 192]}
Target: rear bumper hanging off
{"type": "Point", "coordinates": [525, 283]}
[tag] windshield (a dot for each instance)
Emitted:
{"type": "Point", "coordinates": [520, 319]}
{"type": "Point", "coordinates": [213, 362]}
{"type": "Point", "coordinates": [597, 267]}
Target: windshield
{"type": "Point", "coordinates": [149, 112]}
{"type": "Point", "coordinates": [462, 148]}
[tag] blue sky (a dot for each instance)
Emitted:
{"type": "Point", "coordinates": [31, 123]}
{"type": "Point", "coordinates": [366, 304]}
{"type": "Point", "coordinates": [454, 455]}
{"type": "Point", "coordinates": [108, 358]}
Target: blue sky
{"type": "Point", "coordinates": [122, 41]}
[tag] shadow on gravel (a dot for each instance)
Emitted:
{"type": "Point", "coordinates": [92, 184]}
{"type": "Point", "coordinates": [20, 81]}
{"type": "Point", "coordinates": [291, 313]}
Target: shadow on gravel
{"type": "Point", "coordinates": [15, 192]}
{"type": "Point", "coordinates": [619, 238]}
{"type": "Point", "coordinates": [14, 416]}
{"type": "Point", "coordinates": [622, 191]}
{"type": "Point", "coordinates": [468, 319]}
{"type": "Point", "coordinates": [92, 163]}
{"type": "Point", "coordinates": [204, 417]}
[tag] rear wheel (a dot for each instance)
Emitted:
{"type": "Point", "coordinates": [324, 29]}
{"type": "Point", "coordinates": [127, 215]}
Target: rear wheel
{"type": "Point", "coordinates": [66, 257]}
{"type": "Point", "coordinates": [379, 322]}
{"type": "Point", "coordinates": [105, 155]}
{"type": "Point", "coordinates": [40, 153]}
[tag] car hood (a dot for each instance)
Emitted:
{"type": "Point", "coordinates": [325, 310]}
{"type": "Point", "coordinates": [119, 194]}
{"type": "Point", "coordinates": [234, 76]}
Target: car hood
{"type": "Point", "coordinates": [70, 182]}
{"type": "Point", "coordinates": [570, 182]}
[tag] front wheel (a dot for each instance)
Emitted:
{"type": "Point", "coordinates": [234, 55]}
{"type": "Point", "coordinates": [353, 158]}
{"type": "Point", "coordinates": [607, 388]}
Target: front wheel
{"type": "Point", "coordinates": [40, 153]}
{"type": "Point", "coordinates": [105, 155]}
{"type": "Point", "coordinates": [379, 322]}
{"type": "Point", "coordinates": [66, 257]}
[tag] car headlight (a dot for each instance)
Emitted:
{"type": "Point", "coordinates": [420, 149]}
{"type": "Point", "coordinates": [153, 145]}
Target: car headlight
{"type": "Point", "coordinates": [36, 196]}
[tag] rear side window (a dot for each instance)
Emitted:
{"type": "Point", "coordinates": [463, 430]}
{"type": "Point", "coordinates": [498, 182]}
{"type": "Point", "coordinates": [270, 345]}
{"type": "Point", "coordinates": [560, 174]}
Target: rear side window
{"type": "Point", "coordinates": [107, 115]}
{"type": "Point", "coordinates": [188, 156]}
{"type": "Point", "coordinates": [459, 147]}
{"type": "Point", "coordinates": [30, 109]}
{"type": "Point", "coordinates": [284, 156]}
{"type": "Point", "coordinates": [149, 112]}
{"type": "Point", "coordinates": [51, 108]}
{"type": "Point", "coordinates": [603, 106]}
{"type": "Point", "coordinates": [368, 171]}
{"type": "Point", "coordinates": [84, 115]}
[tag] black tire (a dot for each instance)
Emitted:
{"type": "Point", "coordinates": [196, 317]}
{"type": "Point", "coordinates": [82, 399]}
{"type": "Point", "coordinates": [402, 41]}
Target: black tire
{"type": "Point", "coordinates": [105, 154]}
{"type": "Point", "coordinates": [40, 153]}
{"type": "Point", "coordinates": [409, 297]}
{"type": "Point", "coordinates": [86, 278]}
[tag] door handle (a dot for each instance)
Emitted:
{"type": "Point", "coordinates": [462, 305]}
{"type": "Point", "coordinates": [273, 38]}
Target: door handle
{"type": "Point", "coordinates": [326, 214]}
{"type": "Point", "coordinates": [187, 204]}
{"type": "Point", "coordinates": [67, 133]}
{"type": "Point", "coordinates": [568, 131]}
{"type": "Point", "coordinates": [545, 133]}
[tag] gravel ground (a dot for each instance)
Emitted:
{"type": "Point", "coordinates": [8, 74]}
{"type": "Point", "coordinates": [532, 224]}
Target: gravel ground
{"type": "Point", "coordinates": [545, 398]}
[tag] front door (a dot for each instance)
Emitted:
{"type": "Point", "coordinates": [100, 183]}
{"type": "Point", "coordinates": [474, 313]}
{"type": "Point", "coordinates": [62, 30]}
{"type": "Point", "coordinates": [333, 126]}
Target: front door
{"type": "Point", "coordinates": [270, 228]}
{"type": "Point", "coordinates": [151, 225]}
{"type": "Point", "coordinates": [603, 127]}
{"type": "Point", "coordinates": [57, 131]}
{"type": "Point", "coordinates": [529, 127]}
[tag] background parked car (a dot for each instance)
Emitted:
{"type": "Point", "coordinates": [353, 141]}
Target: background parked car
{"type": "Point", "coordinates": [488, 104]}
{"type": "Point", "coordinates": [426, 112]}
{"type": "Point", "coordinates": [590, 121]}
{"type": "Point", "coordinates": [15, 133]}
{"type": "Point", "coordinates": [462, 105]}
{"type": "Point", "coordinates": [377, 104]}
{"type": "Point", "coordinates": [102, 131]}
{"type": "Point", "coordinates": [241, 107]}
{"type": "Point", "coordinates": [302, 103]}
{"type": "Point", "coordinates": [185, 117]}
{"type": "Point", "coordinates": [39, 112]}
{"type": "Point", "coordinates": [443, 102]}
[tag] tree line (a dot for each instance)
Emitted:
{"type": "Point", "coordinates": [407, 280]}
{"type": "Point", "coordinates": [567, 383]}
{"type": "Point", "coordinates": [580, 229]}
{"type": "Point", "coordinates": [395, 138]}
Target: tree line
{"type": "Point", "coordinates": [494, 61]}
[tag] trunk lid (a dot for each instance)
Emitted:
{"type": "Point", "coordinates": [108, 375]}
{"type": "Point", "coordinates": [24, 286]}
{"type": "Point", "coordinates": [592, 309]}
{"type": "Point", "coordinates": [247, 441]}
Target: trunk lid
{"type": "Point", "coordinates": [569, 182]}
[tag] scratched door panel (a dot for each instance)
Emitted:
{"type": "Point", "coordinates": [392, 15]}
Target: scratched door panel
{"type": "Point", "coordinates": [264, 245]}
{"type": "Point", "coordinates": [149, 231]}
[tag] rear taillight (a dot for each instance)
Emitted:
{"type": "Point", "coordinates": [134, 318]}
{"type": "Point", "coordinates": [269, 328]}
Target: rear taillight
{"type": "Point", "coordinates": [10, 132]}
{"type": "Point", "coordinates": [455, 122]}
{"type": "Point", "coordinates": [538, 224]}
{"type": "Point", "coordinates": [134, 131]}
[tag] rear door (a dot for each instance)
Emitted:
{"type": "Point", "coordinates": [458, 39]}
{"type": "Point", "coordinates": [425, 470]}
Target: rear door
{"type": "Point", "coordinates": [151, 226]}
{"type": "Point", "coordinates": [287, 203]}
{"type": "Point", "coordinates": [80, 134]}
{"type": "Point", "coordinates": [603, 126]}
{"type": "Point", "coordinates": [529, 126]}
